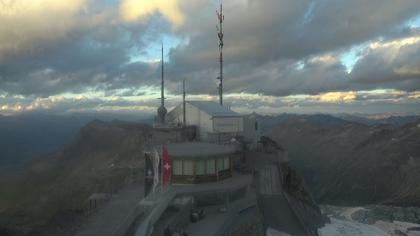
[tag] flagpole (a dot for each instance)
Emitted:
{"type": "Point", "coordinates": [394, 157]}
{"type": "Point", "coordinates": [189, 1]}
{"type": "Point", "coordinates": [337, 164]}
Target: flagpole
{"type": "Point", "coordinates": [161, 169]}
{"type": "Point", "coordinates": [154, 174]}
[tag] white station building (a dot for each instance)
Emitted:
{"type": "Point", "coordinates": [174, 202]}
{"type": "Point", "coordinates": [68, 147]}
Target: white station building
{"type": "Point", "coordinates": [215, 123]}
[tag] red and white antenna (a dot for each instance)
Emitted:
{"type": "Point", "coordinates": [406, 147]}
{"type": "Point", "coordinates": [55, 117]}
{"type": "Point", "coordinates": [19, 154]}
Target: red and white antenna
{"type": "Point", "coordinates": [220, 34]}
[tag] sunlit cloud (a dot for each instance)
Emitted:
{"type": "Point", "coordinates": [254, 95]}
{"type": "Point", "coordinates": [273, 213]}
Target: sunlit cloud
{"type": "Point", "coordinates": [391, 60]}
{"type": "Point", "coordinates": [415, 95]}
{"type": "Point", "coordinates": [395, 43]}
{"type": "Point", "coordinates": [324, 59]}
{"type": "Point", "coordinates": [338, 97]}
{"type": "Point", "coordinates": [26, 24]}
{"type": "Point", "coordinates": [133, 10]}
{"type": "Point", "coordinates": [349, 101]}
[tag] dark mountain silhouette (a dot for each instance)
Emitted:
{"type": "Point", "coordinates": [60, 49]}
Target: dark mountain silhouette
{"type": "Point", "coordinates": [26, 136]}
{"type": "Point", "coordinates": [351, 163]}
{"type": "Point", "coordinates": [23, 137]}
{"type": "Point", "coordinates": [100, 159]}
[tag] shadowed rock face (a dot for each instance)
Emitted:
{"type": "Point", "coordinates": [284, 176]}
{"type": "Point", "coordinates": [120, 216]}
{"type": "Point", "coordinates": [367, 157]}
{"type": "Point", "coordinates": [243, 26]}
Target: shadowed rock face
{"type": "Point", "coordinates": [351, 163]}
{"type": "Point", "coordinates": [102, 157]}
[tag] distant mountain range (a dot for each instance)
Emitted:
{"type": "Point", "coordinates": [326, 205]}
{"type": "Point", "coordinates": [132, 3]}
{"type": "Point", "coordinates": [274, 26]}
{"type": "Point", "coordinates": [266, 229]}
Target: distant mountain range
{"type": "Point", "coordinates": [26, 136]}
{"type": "Point", "coordinates": [397, 120]}
{"type": "Point", "coordinates": [23, 137]}
{"type": "Point", "coordinates": [345, 162]}
{"type": "Point", "coordinates": [268, 121]}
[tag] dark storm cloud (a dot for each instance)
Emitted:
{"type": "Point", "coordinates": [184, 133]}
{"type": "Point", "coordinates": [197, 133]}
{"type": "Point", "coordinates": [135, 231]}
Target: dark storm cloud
{"type": "Point", "coordinates": [283, 78]}
{"type": "Point", "coordinates": [394, 64]}
{"type": "Point", "coordinates": [272, 47]}
{"type": "Point", "coordinates": [84, 61]}
{"type": "Point", "coordinates": [261, 36]}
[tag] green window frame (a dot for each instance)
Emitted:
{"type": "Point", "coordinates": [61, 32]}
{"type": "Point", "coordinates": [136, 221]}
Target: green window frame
{"type": "Point", "coordinates": [220, 164]}
{"type": "Point", "coordinates": [226, 163]}
{"type": "Point", "coordinates": [188, 167]}
{"type": "Point", "coordinates": [200, 167]}
{"type": "Point", "coordinates": [177, 165]}
{"type": "Point", "coordinates": [210, 167]}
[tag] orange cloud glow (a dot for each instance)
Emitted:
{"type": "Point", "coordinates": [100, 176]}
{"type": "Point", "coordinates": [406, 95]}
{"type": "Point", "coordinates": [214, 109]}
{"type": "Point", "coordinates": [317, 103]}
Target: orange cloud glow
{"type": "Point", "coordinates": [132, 10]}
{"type": "Point", "coordinates": [337, 97]}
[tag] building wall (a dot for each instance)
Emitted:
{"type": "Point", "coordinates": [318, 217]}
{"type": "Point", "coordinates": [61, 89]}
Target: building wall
{"type": "Point", "coordinates": [252, 131]}
{"type": "Point", "coordinates": [206, 125]}
{"type": "Point", "coordinates": [228, 125]}
{"type": "Point", "coordinates": [200, 119]}
{"type": "Point", "coordinates": [173, 135]}
{"type": "Point", "coordinates": [213, 129]}
{"type": "Point", "coordinates": [174, 117]}
{"type": "Point", "coordinates": [225, 128]}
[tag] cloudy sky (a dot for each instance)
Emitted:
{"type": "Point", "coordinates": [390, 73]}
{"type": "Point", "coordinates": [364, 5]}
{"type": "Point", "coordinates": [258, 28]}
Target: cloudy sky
{"type": "Point", "coordinates": [297, 56]}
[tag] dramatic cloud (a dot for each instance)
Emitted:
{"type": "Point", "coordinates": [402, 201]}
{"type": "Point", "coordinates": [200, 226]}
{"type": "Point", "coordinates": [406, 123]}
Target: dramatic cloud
{"type": "Point", "coordinates": [272, 46]}
{"type": "Point", "coordinates": [278, 54]}
{"type": "Point", "coordinates": [393, 63]}
{"type": "Point", "coordinates": [376, 101]}
{"type": "Point", "coordinates": [132, 10]}
{"type": "Point", "coordinates": [338, 97]}
{"type": "Point", "coordinates": [26, 25]}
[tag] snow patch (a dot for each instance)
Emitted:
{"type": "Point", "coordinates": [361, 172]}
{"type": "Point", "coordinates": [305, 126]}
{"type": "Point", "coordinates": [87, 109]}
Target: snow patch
{"type": "Point", "coordinates": [273, 232]}
{"type": "Point", "coordinates": [398, 228]}
{"type": "Point", "coordinates": [348, 228]}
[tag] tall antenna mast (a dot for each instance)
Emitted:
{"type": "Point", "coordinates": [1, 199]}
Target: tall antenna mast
{"type": "Point", "coordinates": [221, 18]}
{"type": "Point", "coordinates": [184, 109]}
{"type": "Point", "coordinates": [162, 110]}
{"type": "Point", "coordinates": [162, 92]}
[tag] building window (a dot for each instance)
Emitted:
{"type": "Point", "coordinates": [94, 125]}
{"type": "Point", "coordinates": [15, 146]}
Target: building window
{"type": "Point", "coordinates": [188, 168]}
{"type": "Point", "coordinates": [210, 167]}
{"type": "Point", "coordinates": [200, 168]}
{"type": "Point", "coordinates": [226, 163]}
{"type": "Point", "coordinates": [256, 125]}
{"type": "Point", "coordinates": [177, 165]}
{"type": "Point", "coordinates": [220, 164]}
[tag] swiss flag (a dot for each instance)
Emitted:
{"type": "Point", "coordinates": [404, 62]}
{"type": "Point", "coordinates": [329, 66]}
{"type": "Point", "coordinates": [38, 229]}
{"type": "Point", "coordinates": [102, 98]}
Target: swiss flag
{"type": "Point", "coordinates": [167, 167]}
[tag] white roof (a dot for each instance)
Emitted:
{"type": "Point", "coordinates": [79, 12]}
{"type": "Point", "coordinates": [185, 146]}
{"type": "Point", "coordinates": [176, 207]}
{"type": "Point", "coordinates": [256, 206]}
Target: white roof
{"type": "Point", "coordinates": [213, 108]}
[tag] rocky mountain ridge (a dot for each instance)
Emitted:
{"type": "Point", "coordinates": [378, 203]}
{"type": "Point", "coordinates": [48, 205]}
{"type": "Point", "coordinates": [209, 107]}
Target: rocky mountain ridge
{"type": "Point", "coordinates": [351, 163]}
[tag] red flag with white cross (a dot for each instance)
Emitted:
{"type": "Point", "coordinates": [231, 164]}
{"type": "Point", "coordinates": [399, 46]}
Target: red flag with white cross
{"type": "Point", "coordinates": [167, 167]}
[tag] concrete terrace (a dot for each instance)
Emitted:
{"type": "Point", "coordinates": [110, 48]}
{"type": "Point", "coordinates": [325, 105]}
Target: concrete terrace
{"type": "Point", "coordinates": [115, 215]}
{"type": "Point", "coordinates": [129, 214]}
{"type": "Point", "coordinates": [155, 204]}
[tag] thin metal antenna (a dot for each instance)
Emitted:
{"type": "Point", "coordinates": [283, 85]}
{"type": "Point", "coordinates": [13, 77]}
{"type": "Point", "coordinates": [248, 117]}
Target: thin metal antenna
{"type": "Point", "coordinates": [184, 109]}
{"type": "Point", "coordinates": [162, 110]}
{"type": "Point", "coordinates": [220, 34]}
{"type": "Point", "coordinates": [162, 92]}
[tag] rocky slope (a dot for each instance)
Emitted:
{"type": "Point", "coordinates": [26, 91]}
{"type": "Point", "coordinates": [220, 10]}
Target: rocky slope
{"type": "Point", "coordinates": [350, 163]}
{"type": "Point", "coordinates": [55, 188]}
